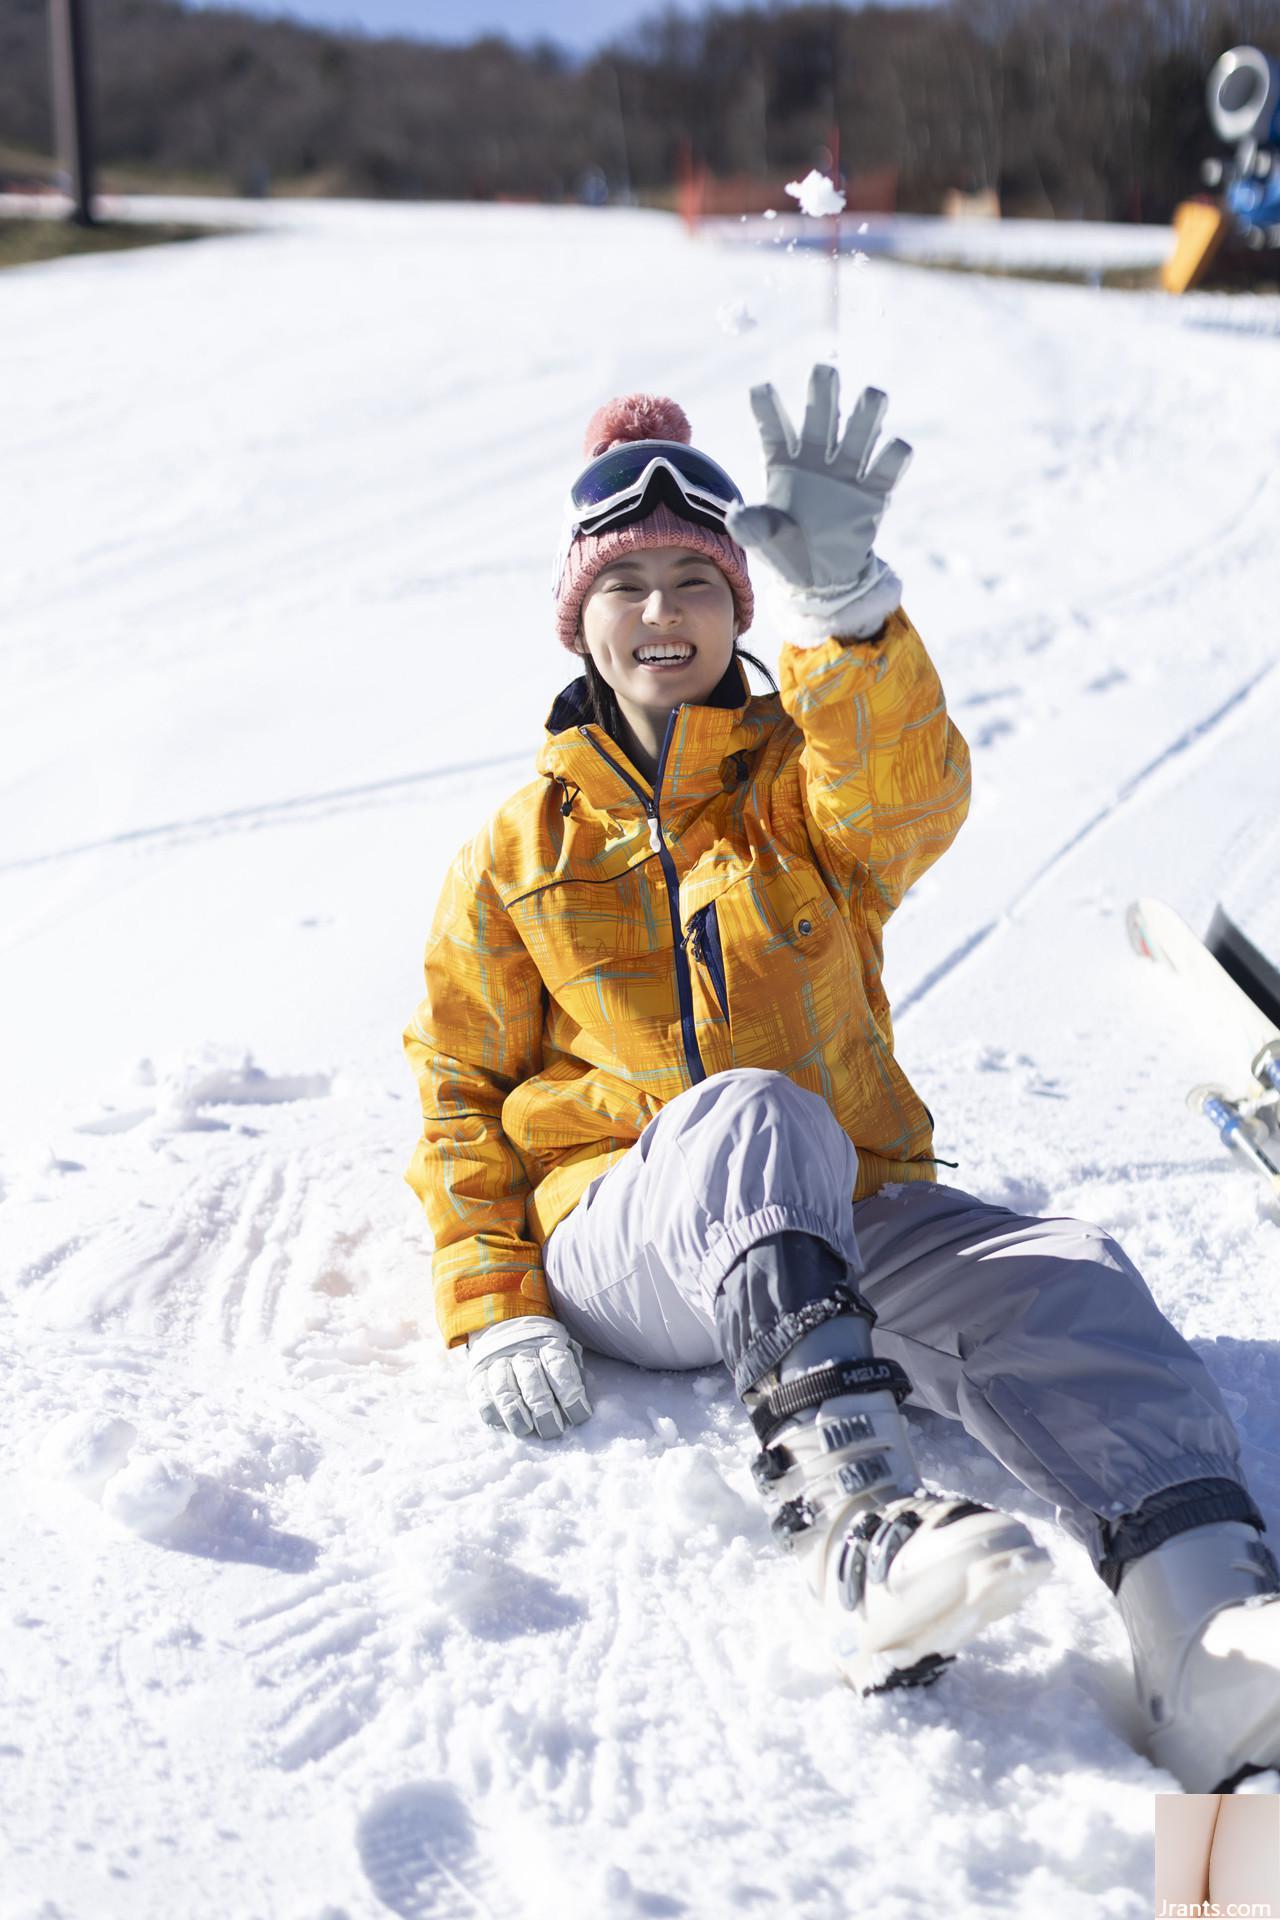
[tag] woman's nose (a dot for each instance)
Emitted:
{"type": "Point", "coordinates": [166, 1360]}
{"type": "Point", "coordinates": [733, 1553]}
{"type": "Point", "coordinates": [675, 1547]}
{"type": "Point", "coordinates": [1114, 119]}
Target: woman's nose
{"type": "Point", "coordinates": [659, 611]}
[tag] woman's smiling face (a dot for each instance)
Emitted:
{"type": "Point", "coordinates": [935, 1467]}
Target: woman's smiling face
{"type": "Point", "coordinates": [659, 626]}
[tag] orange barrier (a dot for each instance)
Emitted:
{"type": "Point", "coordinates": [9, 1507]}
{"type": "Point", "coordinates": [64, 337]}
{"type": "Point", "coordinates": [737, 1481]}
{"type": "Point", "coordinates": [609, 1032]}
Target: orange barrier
{"type": "Point", "coordinates": [1199, 229]}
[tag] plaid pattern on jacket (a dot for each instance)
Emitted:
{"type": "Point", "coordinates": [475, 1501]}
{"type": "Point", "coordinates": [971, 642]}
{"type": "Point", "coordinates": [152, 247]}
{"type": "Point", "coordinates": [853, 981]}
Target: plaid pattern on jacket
{"type": "Point", "coordinates": [577, 979]}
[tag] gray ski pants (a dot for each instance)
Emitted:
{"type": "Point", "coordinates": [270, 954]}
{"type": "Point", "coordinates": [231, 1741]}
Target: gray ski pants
{"type": "Point", "coordinates": [1040, 1336]}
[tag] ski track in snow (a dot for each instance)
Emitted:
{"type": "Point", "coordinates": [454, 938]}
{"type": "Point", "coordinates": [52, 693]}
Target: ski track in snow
{"type": "Point", "coordinates": [1108, 815]}
{"type": "Point", "coordinates": [290, 1635]}
{"type": "Point", "coordinates": [246, 819]}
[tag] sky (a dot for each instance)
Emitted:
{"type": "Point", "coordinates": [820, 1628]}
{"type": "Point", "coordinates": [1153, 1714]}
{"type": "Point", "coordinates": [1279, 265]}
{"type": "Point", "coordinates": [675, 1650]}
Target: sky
{"type": "Point", "coordinates": [576, 27]}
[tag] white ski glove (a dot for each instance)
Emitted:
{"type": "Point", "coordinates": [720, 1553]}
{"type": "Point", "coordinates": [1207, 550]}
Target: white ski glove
{"type": "Point", "coordinates": [825, 502]}
{"type": "Point", "coordinates": [526, 1375]}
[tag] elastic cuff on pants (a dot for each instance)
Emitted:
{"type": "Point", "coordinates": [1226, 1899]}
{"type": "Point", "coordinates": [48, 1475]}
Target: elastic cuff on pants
{"type": "Point", "coordinates": [779, 1290]}
{"type": "Point", "coordinates": [1196, 1503]}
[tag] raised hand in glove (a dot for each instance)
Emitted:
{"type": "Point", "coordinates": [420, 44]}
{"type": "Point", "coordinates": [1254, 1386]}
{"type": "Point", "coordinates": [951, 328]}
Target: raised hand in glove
{"type": "Point", "coordinates": [825, 499]}
{"type": "Point", "coordinates": [526, 1375]}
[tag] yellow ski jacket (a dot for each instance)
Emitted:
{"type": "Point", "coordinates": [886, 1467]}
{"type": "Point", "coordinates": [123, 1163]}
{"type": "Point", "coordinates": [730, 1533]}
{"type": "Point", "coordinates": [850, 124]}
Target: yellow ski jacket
{"type": "Point", "coordinates": [603, 944]}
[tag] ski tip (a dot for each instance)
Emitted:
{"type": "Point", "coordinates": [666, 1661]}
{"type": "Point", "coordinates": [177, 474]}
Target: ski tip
{"type": "Point", "coordinates": [1135, 928]}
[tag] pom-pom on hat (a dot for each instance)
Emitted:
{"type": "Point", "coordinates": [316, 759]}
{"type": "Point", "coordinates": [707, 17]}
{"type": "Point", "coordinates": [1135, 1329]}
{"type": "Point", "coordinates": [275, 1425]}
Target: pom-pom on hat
{"type": "Point", "coordinates": [643, 416]}
{"type": "Point", "coordinates": [636, 416]}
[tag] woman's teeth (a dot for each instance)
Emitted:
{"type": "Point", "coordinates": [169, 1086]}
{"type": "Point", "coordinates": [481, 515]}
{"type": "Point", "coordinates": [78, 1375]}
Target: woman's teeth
{"type": "Point", "coordinates": [663, 656]}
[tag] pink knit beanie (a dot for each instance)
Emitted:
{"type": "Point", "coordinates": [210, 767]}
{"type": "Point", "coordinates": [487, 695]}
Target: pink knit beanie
{"type": "Point", "coordinates": [643, 416]}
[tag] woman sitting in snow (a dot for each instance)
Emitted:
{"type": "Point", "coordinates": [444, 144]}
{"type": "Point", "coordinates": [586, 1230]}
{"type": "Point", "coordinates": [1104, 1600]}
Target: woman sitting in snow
{"type": "Point", "coordinates": [663, 1119]}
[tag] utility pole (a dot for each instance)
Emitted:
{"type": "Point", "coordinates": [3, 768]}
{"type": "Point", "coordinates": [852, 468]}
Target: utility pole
{"type": "Point", "coordinates": [624, 195]}
{"type": "Point", "coordinates": [72, 119]}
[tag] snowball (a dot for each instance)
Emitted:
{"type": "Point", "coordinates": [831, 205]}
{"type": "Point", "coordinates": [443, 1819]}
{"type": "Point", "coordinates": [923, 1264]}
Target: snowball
{"type": "Point", "coordinates": [817, 195]}
{"type": "Point", "coordinates": [86, 1449]}
{"type": "Point", "coordinates": [149, 1494]}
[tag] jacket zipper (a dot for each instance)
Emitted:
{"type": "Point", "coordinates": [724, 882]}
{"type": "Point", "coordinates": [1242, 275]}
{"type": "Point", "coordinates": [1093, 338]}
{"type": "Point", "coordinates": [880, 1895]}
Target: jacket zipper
{"type": "Point", "coordinates": [684, 987]}
{"type": "Point", "coordinates": [703, 940]}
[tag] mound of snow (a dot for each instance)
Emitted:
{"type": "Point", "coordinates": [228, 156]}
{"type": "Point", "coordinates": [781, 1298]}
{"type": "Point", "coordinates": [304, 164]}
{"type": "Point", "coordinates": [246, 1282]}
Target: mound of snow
{"type": "Point", "coordinates": [150, 1494]}
{"type": "Point", "coordinates": [85, 1449]}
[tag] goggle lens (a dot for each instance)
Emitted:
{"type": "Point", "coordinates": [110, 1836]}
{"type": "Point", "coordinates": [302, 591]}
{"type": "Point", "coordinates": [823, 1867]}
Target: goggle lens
{"type": "Point", "coordinates": [620, 471]}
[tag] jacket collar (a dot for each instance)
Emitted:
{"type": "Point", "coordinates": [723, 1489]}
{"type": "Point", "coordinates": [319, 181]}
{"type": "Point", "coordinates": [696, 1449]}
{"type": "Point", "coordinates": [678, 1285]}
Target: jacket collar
{"type": "Point", "coordinates": [701, 757]}
{"type": "Point", "coordinates": [572, 706]}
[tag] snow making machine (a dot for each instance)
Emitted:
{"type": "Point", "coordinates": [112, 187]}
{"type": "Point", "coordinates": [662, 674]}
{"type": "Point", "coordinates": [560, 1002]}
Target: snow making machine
{"type": "Point", "coordinates": [1244, 109]}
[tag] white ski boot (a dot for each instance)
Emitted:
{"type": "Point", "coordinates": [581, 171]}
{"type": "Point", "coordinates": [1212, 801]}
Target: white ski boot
{"type": "Point", "coordinates": [904, 1576]}
{"type": "Point", "coordinates": [1203, 1615]}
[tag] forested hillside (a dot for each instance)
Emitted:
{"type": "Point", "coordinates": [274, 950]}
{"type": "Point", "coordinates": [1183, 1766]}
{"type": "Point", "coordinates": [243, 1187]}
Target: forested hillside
{"type": "Point", "coordinates": [1090, 109]}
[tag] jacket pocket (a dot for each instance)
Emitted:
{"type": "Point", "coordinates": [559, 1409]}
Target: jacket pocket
{"type": "Point", "coordinates": [703, 939]}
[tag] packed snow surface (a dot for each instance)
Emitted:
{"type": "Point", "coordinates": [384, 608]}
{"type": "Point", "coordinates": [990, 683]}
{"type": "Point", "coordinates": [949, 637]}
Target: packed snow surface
{"type": "Point", "coordinates": [1073, 246]}
{"type": "Point", "coordinates": [286, 1633]}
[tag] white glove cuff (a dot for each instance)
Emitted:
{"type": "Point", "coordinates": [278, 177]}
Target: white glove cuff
{"type": "Point", "coordinates": [528, 1329]}
{"type": "Point", "coordinates": [806, 616]}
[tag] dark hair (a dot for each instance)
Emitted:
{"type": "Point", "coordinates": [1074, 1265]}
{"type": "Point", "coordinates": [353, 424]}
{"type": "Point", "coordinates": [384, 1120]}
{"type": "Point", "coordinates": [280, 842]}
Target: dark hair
{"type": "Point", "coordinates": [604, 704]}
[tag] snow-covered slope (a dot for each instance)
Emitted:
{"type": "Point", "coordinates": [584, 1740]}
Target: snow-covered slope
{"type": "Point", "coordinates": [285, 1633]}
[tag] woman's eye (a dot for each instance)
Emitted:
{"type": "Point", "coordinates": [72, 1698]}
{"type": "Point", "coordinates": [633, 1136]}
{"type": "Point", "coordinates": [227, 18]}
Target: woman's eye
{"type": "Point", "coordinates": [634, 586]}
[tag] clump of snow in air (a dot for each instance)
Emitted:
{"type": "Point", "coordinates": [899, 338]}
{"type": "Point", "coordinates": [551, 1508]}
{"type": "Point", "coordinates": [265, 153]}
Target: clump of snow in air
{"type": "Point", "coordinates": [287, 1632]}
{"type": "Point", "coordinates": [735, 316]}
{"type": "Point", "coordinates": [818, 195]}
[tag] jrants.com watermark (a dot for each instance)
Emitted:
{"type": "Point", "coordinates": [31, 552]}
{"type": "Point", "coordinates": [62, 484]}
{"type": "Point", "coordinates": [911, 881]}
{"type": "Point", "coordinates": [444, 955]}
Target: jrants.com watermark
{"type": "Point", "coordinates": [1217, 1856]}
{"type": "Point", "coordinates": [1212, 1910]}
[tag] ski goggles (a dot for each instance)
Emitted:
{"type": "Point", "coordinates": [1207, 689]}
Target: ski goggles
{"type": "Point", "coordinates": [624, 484]}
